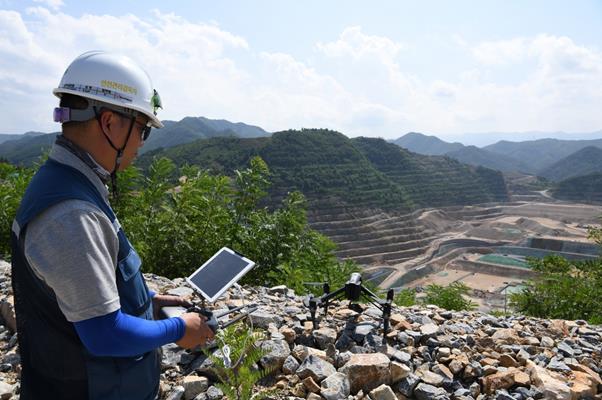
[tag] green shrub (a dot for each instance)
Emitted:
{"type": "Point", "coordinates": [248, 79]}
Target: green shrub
{"type": "Point", "coordinates": [235, 363]}
{"type": "Point", "coordinates": [175, 229]}
{"type": "Point", "coordinates": [13, 182]}
{"type": "Point", "coordinates": [450, 297]}
{"type": "Point", "coordinates": [563, 290]}
{"type": "Point", "coordinates": [405, 298]}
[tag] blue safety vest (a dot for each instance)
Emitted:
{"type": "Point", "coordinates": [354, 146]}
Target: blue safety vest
{"type": "Point", "coordinates": [55, 363]}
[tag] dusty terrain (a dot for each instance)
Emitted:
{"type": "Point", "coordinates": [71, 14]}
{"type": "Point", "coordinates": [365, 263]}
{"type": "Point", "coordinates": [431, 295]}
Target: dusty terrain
{"type": "Point", "coordinates": [483, 246]}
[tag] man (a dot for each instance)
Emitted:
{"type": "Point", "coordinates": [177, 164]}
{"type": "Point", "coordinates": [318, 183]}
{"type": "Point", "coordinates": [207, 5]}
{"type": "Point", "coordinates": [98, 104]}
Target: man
{"type": "Point", "coordinates": [84, 312]}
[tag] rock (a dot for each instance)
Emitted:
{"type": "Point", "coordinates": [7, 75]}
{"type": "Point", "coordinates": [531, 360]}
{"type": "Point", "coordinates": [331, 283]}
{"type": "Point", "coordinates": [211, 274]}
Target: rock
{"type": "Point", "coordinates": [504, 380]}
{"type": "Point", "coordinates": [427, 392]}
{"type": "Point", "coordinates": [262, 319]}
{"type": "Point", "coordinates": [290, 365]}
{"type": "Point", "coordinates": [430, 377]}
{"type": "Point", "coordinates": [213, 393]}
{"type": "Point", "coordinates": [324, 337]}
{"type": "Point", "coordinates": [170, 356]}
{"type": "Point", "coordinates": [399, 371]}
{"type": "Point", "coordinates": [565, 349]}
{"type": "Point", "coordinates": [313, 396]}
{"type": "Point", "coordinates": [278, 351]}
{"type": "Point", "coordinates": [280, 289]}
{"type": "Point", "coordinates": [361, 330]}
{"type": "Point", "coordinates": [289, 334]}
{"type": "Point", "coordinates": [383, 392]}
{"type": "Point", "coordinates": [583, 386]}
{"type": "Point", "coordinates": [367, 371]}
{"type": "Point", "coordinates": [507, 361]}
{"type": "Point", "coordinates": [6, 390]}
{"type": "Point", "coordinates": [429, 329]}
{"type": "Point", "coordinates": [551, 384]}
{"type": "Point", "coordinates": [7, 311]}
{"type": "Point", "coordinates": [194, 385]}
{"type": "Point", "coordinates": [311, 385]}
{"type": "Point", "coordinates": [508, 336]}
{"type": "Point", "coordinates": [336, 387]}
{"type": "Point", "coordinates": [176, 393]}
{"type": "Point", "coordinates": [315, 367]}
{"type": "Point", "coordinates": [344, 342]}
{"type": "Point", "coordinates": [406, 385]}
{"type": "Point", "coordinates": [401, 356]}
{"type": "Point", "coordinates": [547, 341]}
{"type": "Point", "coordinates": [557, 365]}
{"type": "Point", "coordinates": [302, 352]}
{"type": "Point", "coordinates": [182, 291]}
{"type": "Point", "coordinates": [442, 370]}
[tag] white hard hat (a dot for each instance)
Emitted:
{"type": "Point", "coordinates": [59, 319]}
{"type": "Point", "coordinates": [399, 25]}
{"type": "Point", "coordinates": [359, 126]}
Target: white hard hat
{"type": "Point", "coordinates": [112, 79]}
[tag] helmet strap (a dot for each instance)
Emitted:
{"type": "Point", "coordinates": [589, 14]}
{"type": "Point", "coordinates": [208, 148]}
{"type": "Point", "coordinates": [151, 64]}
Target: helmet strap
{"type": "Point", "coordinates": [119, 155]}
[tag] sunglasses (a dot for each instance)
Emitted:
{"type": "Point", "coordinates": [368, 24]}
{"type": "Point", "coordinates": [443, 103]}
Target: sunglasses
{"type": "Point", "coordinates": [145, 129]}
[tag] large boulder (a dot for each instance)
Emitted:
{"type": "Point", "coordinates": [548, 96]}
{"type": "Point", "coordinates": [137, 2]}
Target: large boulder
{"type": "Point", "coordinates": [367, 371]}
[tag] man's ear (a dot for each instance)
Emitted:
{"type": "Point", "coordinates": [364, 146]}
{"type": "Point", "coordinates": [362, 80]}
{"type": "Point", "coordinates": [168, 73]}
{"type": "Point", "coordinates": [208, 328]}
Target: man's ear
{"type": "Point", "coordinates": [110, 124]}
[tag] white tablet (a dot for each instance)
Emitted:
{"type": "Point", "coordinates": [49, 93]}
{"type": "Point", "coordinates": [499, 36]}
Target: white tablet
{"type": "Point", "coordinates": [220, 272]}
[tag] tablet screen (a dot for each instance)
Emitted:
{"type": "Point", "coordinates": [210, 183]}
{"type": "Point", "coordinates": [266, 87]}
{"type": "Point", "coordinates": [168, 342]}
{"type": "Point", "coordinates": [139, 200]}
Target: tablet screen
{"type": "Point", "coordinates": [219, 273]}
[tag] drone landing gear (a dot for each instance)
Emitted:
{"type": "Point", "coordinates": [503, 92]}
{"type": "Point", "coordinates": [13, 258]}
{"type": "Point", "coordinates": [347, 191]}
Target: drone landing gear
{"type": "Point", "coordinates": [353, 291]}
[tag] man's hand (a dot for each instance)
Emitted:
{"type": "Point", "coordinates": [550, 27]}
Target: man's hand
{"type": "Point", "coordinates": [164, 300]}
{"type": "Point", "coordinates": [197, 331]}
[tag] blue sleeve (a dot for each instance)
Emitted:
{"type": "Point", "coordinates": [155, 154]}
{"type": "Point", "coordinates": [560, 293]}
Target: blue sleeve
{"type": "Point", "coordinates": [121, 335]}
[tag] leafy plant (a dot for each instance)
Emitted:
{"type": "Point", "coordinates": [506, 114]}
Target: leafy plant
{"type": "Point", "coordinates": [449, 297]}
{"type": "Point", "coordinates": [235, 363]}
{"type": "Point", "coordinates": [13, 182]}
{"type": "Point", "coordinates": [563, 290]}
{"type": "Point", "coordinates": [405, 298]}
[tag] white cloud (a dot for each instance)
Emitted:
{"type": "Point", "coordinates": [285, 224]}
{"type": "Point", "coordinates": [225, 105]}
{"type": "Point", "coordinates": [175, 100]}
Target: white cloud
{"type": "Point", "coordinates": [54, 4]}
{"type": "Point", "coordinates": [357, 83]}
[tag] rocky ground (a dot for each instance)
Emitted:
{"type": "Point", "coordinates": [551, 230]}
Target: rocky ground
{"type": "Point", "coordinates": [429, 353]}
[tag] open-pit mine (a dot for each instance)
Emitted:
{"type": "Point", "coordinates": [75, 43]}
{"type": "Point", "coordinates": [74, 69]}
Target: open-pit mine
{"type": "Point", "coordinates": [484, 246]}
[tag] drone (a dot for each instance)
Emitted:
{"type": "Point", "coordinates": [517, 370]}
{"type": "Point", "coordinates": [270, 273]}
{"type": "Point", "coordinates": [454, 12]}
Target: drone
{"type": "Point", "coordinates": [353, 291]}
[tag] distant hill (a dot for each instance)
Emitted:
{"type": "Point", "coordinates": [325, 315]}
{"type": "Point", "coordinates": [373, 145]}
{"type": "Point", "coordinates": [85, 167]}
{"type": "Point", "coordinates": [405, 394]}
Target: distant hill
{"type": "Point", "coordinates": [431, 145]}
{"type": "Point", "coordinates": [434, 180]}
{"type": "Point", "coordinates": [333, 170]}
{"type": "Point", "coordinates": [193, 128]}
{"type": "Point", "coordinates": [428, 145]}
{"type": "Point", "coordinates": [531, 157]}
{"type": "Point", "coordinates": [26, 149]}
{"type": "Point", "coordinates": [583, 162]}
{"type": "Point", "coordinates": [5, 137]}
{"type": "Point", "coordinates": [587, 188]}
{"type": "Point", "coordinates": [543, 153]}
{"type": "Point", "coordinates": [475, 156]}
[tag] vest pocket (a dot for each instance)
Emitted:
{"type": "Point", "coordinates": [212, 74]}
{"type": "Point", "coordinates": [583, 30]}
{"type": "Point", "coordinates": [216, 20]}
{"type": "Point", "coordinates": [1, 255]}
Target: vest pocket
{"type": "Point", "coordinates": [133, 292]}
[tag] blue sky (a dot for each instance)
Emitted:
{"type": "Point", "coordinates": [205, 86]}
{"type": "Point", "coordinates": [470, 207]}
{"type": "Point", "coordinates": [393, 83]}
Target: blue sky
{"type": "Point", "coordinates": [383, 68]}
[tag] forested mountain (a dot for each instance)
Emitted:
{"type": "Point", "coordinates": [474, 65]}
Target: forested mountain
{"type": "Point", "coordinates": [193, 128]}
{"type": "Point", "coordinates": [541, 154]}
{"type": "Point", "coordinates": [428, 145]}
{"type": "Point", "coordinates": [26, 149]}
{"type": "Point", "coordinates": [433, 180]}
{"type": "Point", "coordinates": [587, 188]}
{"type": "Point", "coordinates": [5, 137]}
{"type": "Point", "coordinates": [532, 157]}
{"type": "Point", "coordinates": [330, 169]}
{"type": "Point", "coordinates": [583, 162]}
{"type": "Point", "coordinates": [479, 157]}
